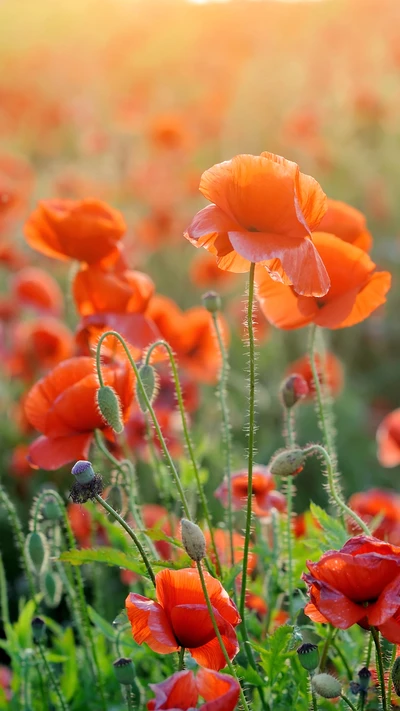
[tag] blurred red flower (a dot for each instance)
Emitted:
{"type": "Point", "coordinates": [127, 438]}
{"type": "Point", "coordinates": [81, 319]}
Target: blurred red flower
{"type": "Point", "coordinates": [348, 223]}
{"type": "Point", "coordinates": [388, 439]}
{"type": "Point", "coordinates": [378, 502]}
{"type": "Point", "coordinates": [37, 289]}
{"type": "Point", "coordinates": [331, 372]}
{"type": "Point", "coordinates": [182, 690]}
{"type": "Point", "coordinates": [264, 495]}
{"type": "Point", "coordinates": [97, 290]}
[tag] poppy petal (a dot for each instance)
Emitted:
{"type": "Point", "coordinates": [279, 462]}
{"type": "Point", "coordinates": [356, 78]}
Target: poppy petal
{"type": "Point", "coordinates": [150, 624]}
{"type": "Point", "coordinates": [211, 655]}
{"type": "Point", "coordinates": [386, 605]}
{"type": "Point", "coordinates": [177, 692]}
{"type": "Point", "coordinates": [51, 454]}
{"type": "Point", "coordinates": [220, 691]}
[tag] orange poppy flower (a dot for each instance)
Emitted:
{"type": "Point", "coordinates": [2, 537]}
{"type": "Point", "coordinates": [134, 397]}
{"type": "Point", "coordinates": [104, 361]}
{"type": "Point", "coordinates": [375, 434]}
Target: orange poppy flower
{"type": "Point", "coordinates": [182, 690]}
{"type": "Point", "coordinates": [136, 432]}
{"type": "Point", "coordinates": [96, 290]}
{"type": "Point", "coordinates": [257, 604]}
{"type": "Point", "coordinates": [137, 330]}
{"type": "Point", "coordinates": [19, 465]}
{"type": "Point", "coordinates": [62, 406]}
{"type": "Point", "coordinates": [359, 584]}
{"type": "Point", "coordinates": [332, 372]}
{"type": "Point", "coordinates": [39, 345]}
{"type": "Point", "coordinates": [264, 211]}
{"type": "Point", "coordinates": [347, 223]}
{"type": "Point", "coordinates": [222, 542]}
{"type": "Point", "coordinates": [36, 289]}
{"type": "Point", "coordinates": [86, 230]}
{"type": "Point", "coordinates": [205, 272]}
{"type": "Point", "coordinates": [378, 502]}
{"type": "Point", "coordinates": [264, 495]}
{"type": "Point", "coordinates": [388, 439]}
{"type": "Point", "coordinates": [356, 290]}
{"type": "Point", "coordinates": [180, 617]}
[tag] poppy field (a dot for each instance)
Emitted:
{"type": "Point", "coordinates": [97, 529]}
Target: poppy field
{"type": "Point", "coordinates": [199, 370]}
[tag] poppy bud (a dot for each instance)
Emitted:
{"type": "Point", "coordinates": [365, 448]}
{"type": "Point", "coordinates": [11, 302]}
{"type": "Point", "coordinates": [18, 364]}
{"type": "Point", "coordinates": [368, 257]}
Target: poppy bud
{"type": "Point", "coordinates": [326, 686]}
{"type": "Point", "coordinates": [212, 302]}
{"type": "Point", "coordinates": [38, 629]}
{"type": "Point", "coordinates": [193, 540]}
{"type": "Point", "coordinates": [396, 676]}
{"type": "Point", "coordinates": [51, 509]}
{"type": "Point", "coordinates": [308, 656]}
{"type": "Point", "coordinates": [293, 389]}
{"type": "Point", "coordinates": [147, 377]}
{"type": "Point", "coordinates": [83, 472]}
{"type": "Point", "coordinates": [287, 463]}
{"type": "Point", "coordinates": [124, 669]}
{"type": "Point", "coordinates": [51, 587]}
{"type": "Point", "coordinates": [364, 676]}
{"type": "Point", "coordinates": [37, 551]}
{"type": "Point", "coordinates": [110, 407]}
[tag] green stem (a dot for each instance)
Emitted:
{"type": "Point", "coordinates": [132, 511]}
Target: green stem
{"type": "Point", "coordinates": [348, 702]}
{"type": "Point", "coordinates": [19, 539]}
{"type": "Point", "coordinates": [344, 660]}
{"type": "Point", "coordinates": [218, 635]}
{"type": "Point", "coordinates": [325, 650]}
{"type": "Point", "coordinates": [129, 702]}
{"type": "Point", "coordinates": [390, 682]}
{"type": "Point", "coordinates": [4, 608]}
{"type": "Point", "coordinates": [313, 696]}
{"type": "Point", "coordinates": [188, 439]}
{"type": "Point", "coordinates": [149, 407]}
{"type": "Point", "coordinates": [130, 533]}
{"type": "Point", "coordinates": [369, 651]}
{"type": "Point", "coordinates": [181, 658]}
{"type": "Point", "coordinates": [290, 443]}
{"type": "Point", "coordinates": [379, 664]}
{"type": "Point", "coordinates": [251, 433]}
{"type": "Point", "coordinates": [318, 449]}
{"type": "Point", "coordinates": [226, 428]}
{"type": "Point", "coordinates": [322, 414]}
{"type": "Point", "coordinates": [53, 680]}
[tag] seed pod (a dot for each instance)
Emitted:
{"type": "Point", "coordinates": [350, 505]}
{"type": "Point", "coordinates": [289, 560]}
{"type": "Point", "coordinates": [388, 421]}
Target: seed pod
{"type": "Point", "coordinates": [308, 656]}
{"type": "Point", "coordinates": [396, 676]}
{"type": "Point", "coordinates": [326, 686]}
{"type": "Point", "coordinates": [212, 302]}
{"type": "Point", "coordinates": [287, 463]}
{"type": "Point", "coordinates": [83, 471]}
{"type": "Point", "coordinates": [364, 676]}
{"type": "Point", "coordinates": [124, 669]}
{"type": "Point", "coordinates": [148, 379]}
{"type": "Point", "coordinates": [193, 540]}
{"type": "Point", "coordinates": [37, 551]}
{"type": "Point", "coordinates": [293, 389]}
{"type": "Point", "coordinates": [110, 408]}
{"type": "Point", "coordinates": [38, 629]}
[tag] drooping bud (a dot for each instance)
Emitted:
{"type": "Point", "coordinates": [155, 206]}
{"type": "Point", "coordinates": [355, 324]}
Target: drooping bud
{"type": "Point", "coordinates": [38, 629]}
{"type": "Point", "coordinates": [148, 379]}
{"type": "Point", "coordinates": [51, 509]}
{"type": "Point", "coordinates": [396, 676]}
{"type": "Point", "coordinates": [287, 463]}
{"type": "Point", "coordinates": [212, 302]}
{"type": "Point", "coordinates": [293, 389]}
{"type": "Point", "coordinates": [308, 656]}
{"type": "Point", "coordinates": [37, 551]}
{"type": "Point", "coordinates": [83, 471]}
{"type": "Point", "coordinates": [193, 540]}
{"type": "Point", "coordinates": [124, 671]}
{"type": "Point", "coordinates": [364, 676]}
{"type": "Point", "coordinates": [110, 407]}
{"type": "Point", "coordinates": [326, 686]}
{"type": "Point", "coordinates": [51, 587]}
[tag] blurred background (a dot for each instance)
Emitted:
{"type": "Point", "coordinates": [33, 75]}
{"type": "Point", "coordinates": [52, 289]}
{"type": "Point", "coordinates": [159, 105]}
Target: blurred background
{"type": "Point", "coordinates": [130, 101]}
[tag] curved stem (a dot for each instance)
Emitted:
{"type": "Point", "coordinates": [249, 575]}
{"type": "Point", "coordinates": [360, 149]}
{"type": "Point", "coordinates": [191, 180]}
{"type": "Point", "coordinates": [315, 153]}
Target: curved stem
{"type": "Point", "coordinates": [322, 414]}
{"type": "Point", "coordinates": [325, 650]}
{"type": "Point", "coordinates": [226, 429]}
{"type": "Point", "coordinates": [390, 681]}
{"type": "Point", "coordinates": [317, 448]}
{"type": "Point", "coordinates": [313, 696]}
{"type": "Point", "coordinates": [290, 443]}
{"type": "Point", "coordinates": [218, 635]}
{"type": "Point", "coordinates": [379, 664]}
{"type": "Point", "coordinates": [53, 679]}
{"type": "Point", "coordinates": [348, 702]}
{"type": "Point", "coordinates": [251, 433]}
{"type": "Point", "coordinates": [150, 409]}
{"type": "Point", "coordinates": [188, 439]}
{"type": "Point", "coordinates": [130, 533]}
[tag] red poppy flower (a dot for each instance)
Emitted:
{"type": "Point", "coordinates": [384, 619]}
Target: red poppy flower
{"type": "Point", "coordinates": [63, 406]}
{"type": "Point", "coordinates": [182, 690]}
{"type": "Point", "coordinates": [264, 211]}
{"type": "Point", "coordinates": [180, 617]}
{"type": "Point", "coordinates": [388, 439]}
{"type": "Point", "coordinates": [36, 289]}
{"type": "Point", "coordinates": [137, 330]}
{"type": "Point", "coordinates": [205, 272]}
{"type": "Point", "coordinates": [19, 465]}
{"type": "Point", "coordinates": [222, 542]}
{"type": "Point", "coordinates": [256, 603]}
{"type": "Point", "coordinates": [264, 495]}
{"type": "Point", "coordinates": [356, 290]}
{"type": "Point", "coordinates": [359, 584]}
{"type": "Point", "coordinates": [331, 373]}
{"type": "Point", "coordinates": [86, 230]}
{"type": "Point", "coordinates": [39, 345]}
{"type": "Point", "coordinates": [378, 502]}
{"type": "Point", "coordinates": [96, 290]}
{"type": "Point", "coordinates": [347, 223]}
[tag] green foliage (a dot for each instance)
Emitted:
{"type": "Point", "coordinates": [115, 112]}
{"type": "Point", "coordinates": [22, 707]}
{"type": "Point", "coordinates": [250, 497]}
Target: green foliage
{"type": "Point", "coordinates": [105, 555]}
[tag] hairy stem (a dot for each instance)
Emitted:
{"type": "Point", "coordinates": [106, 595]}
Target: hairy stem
{"type": "Point", "coordinates": [379, 665]}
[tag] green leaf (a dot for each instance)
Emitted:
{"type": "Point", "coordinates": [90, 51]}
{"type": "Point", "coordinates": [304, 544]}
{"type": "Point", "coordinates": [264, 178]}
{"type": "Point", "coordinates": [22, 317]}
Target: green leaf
{"type": "Point", "coordinates": [334, 532]}
{"type": "Point", "coordinates": [109, 556]}
{"type": "Point", "coordinates": [229, 579]}
{"type": "Point", "coordinates": [69, 679]}
{"type": "Point", "coordinates": [23, 626]}
{"type": "Point", "coordinates": [250, 676]}
{"type": "Point", "coordinates": [105, 628]}
{"type": "Point", "coordinates": [276, 650]}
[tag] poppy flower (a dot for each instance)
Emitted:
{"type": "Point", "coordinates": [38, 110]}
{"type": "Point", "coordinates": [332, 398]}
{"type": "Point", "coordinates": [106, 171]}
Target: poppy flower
{"type": "Point", "coordinates": [331, 372]}
{"type": "Point", "coordinates": [264, 495]}
{"type": "Point", "coordinates": [205, 272]}
{"type": "Point", "coordinates": [256, 604]}
{"type": "Point", "coordinates": [36, 289]}
{"type": "Point", "coordinates": [356, 290]}
{"type": "Point", "coordinates": [359, 584]}
{"type": "Point", "coordinates": [137, 434]}
{"type": "Point", "coordinates": [39, 345]}
{"type": "Point", "coordinates": [347, 223]}
{"type": "Point", "coordinates": [96, 290]}
{"type": "Point", "coordinates": [62, 406]}
{"type": "Point", "coordinates": [19, 465]}
{"type": "Point", "coordinates": [180, 618]}
{"type": "Point", "coordinates": [388, 439]}
{"type": "Point", "coordinates": [86, 230]}
{"type": "Point", "coordinates": [222, 543]}
{"type": "Point", "coordinates": [137, 330]}
{"type": "Point", "coordinates": [378, 502]}
{"type": "Point", "coordinates": [182, 690]}
{"type": "Point", "coordinates": [264, 210]}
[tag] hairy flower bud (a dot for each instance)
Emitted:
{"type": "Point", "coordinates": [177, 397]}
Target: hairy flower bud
{"type": "Point", "coordinates": [287, 463]}
{"type": "Point", "coordinates": [326, 686]}
{"type": "Point", "coordinates": [148, 380]}
{"type": "Point", "coordinates": [37, 551]}
{"type": "Point", "coordinates": [308, 656]}
{"type": "Point", "coordinates": [212, 302]}
{"type": "Point", "coordinates": [364, 676]}
{"type": "Point", "coordinates": [396, 676]}
{"type": "Point", "coordinates": [124, 670]}
{"type": "Point", "coordinates": [293, 389]}
{"type": "Point", "coordinates": [51, 587]}
{"type": "Point", "coordinates": [38, 629]}
{"type": "Point", "coordinates": [110, 407]}
{"type": "Point", "coordinates": [193, 540]}
{"type": "Point", "coordinates": [83, 471]}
